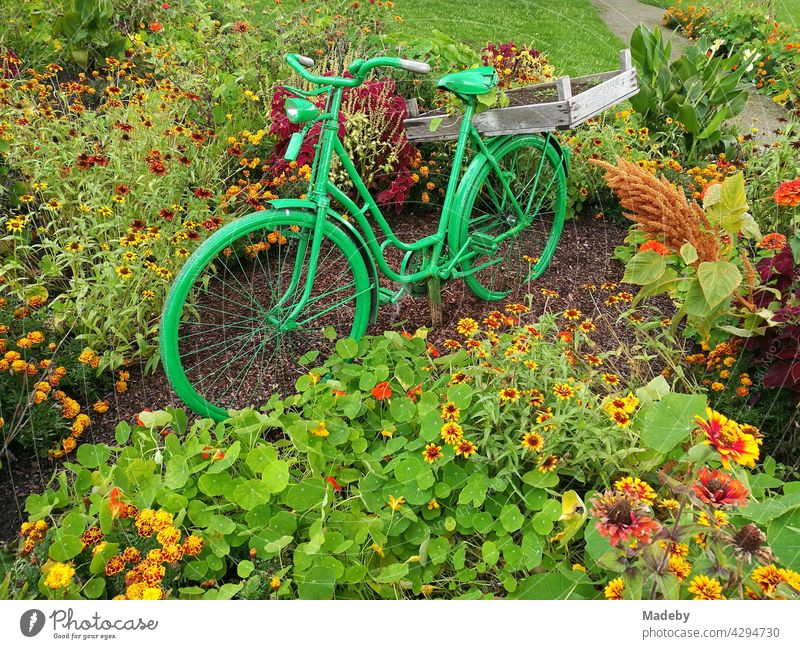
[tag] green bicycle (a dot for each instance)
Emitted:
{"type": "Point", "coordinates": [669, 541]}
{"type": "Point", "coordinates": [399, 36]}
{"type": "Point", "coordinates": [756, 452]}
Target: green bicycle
{"type": "Point", "coordinates": [264, 290]}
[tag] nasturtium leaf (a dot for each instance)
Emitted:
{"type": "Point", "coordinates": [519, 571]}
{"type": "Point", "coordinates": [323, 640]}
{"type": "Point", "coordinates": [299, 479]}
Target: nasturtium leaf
{"type": "Point", "coordinates": [177, 472]}
{"type": "Point", "coordinates": [260, 458]}
{"type": "Point", "coordinates": [532, 548]}
{"type": "Point", "coordinates": [276, 476]}
{"type": "Point", "coordinates": [783, 534]}
{"type": "Point", "coordinates": [305, 495]}
{"type": "Point", "coordinates": [245, 568]}
{"type": "Point", "coordinates": [490, 553]}
{"type": "Point", "coordinates": [73, 524]}
{"type": "Point", "coordinates": [251, 494]}
{"type": "Point", "coordinates": [536, 478]}
{"type": "Point", "coordinates": [93, 455]}
{"type": "Point", "coordinates": [438, 549]}
{"type": "Point", "coordinates": [402, 409]}
{"type": "Point", "coordinates": [542, 523]}
{"type": "Point", "coordinates": [392, 573]}
{"type": "Point", "coordinates": [346, 348]}
{"type": "Point", "coordinates": [461, 395]}
{"type": "Point", "coordinates": [231, 454]}
{"type": "Point", "coordinates": [669, 421]}
{"type": "Point", "coordinates": [94, 587]}
{"type": "Point", "coordinates": [65, 547]}
{"type": "Point", "coordinates": [213, 484]}
{"type": "Point", "coordinates": [556, 584]}
{"type": "Point", "coordinates": [317, 583]}
{"type": "Point", "coordinates": [221, 524]}
{"type": "Point", "coordinates": [511, 518]}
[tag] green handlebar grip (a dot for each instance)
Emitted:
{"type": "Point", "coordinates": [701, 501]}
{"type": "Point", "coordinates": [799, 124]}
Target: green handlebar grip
{"type": "Point", "coordinates": [292, 151]}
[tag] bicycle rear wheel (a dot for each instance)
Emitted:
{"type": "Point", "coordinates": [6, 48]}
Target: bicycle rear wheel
{"type": "Point", "coordinates": [227, 336]}
{"type": "Point", "coordinates": [536, 177]}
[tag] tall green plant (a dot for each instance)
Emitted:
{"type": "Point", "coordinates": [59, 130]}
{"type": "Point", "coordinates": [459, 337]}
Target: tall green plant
{"type": "Point", "coordinates": [88, 28]}
{"type": "Point", "coordinates": [691, 97]}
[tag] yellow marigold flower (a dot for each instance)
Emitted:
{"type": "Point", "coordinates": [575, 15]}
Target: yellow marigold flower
{"type": "Point", "coordinates": [136, 590]}
{"type": "Point", "coordinates": [100, 407]}
{"type": "Point", "coordinates": [705, 588]}
{"type": "Point", "coordinates": [170, 535]}
{"type": "Point", "coordinates": [274, 583]}
{"type": "Point", "coordinates": [452, 432]}
{"type": "Point", "coordinates": [509, 395]}
{"type": "Point", "coordinates": [153, 593]}
{"type": "Point", "coordinates": [614, 588]}
{"type": "Point", "coordinates": [59, 576]}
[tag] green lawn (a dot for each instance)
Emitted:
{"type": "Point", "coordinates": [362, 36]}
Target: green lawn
{"type": "Point", "coordinates": [570, 31]}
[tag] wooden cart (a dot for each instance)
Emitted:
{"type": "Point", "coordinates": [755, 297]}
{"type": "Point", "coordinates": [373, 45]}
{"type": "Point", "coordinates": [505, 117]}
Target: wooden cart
{"type": "Point", "coordinates": [553, 106]}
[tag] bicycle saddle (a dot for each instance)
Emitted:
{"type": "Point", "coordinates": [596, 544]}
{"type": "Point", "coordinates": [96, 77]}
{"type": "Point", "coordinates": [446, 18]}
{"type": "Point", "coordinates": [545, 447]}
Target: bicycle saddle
{"type": "Point", "coordinates": [466, 83]}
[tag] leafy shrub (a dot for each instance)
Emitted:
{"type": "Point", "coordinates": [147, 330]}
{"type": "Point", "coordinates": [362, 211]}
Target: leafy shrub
{"type": "Point", "coordinates": [736, 26]}
{"type": "Point", "coordinates": [697, 92]}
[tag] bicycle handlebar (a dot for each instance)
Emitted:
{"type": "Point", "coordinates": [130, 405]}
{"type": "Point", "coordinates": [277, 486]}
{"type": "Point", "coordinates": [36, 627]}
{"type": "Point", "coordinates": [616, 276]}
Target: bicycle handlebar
{"type": "Point", "coordinates": [358, 68]}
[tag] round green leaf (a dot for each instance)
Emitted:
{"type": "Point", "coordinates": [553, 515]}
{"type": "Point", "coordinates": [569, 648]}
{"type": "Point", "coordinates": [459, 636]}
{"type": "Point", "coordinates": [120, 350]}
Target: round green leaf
{"type": "Point", "coordinates": [93, 455]}
{"type": "Point", "coordinates": [65, 547]}
{"type": "Point", "coordinates": [317, 583]}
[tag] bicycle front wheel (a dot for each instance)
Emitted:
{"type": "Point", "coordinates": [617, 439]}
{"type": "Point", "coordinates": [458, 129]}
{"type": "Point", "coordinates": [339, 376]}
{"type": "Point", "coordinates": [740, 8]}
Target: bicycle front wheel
{"type": "Point", "coordinates": [511, 244]}
{"type": "Point", "coordinates": [231, 335]}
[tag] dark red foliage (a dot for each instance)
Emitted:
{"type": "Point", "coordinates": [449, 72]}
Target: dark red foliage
{"type": "Point", "coordinates": [372, 98]}
{"type": "Point", "coordinates": [777, 352]}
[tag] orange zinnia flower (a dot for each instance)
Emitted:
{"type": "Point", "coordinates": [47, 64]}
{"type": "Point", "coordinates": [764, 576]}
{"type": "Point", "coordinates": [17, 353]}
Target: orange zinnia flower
{"type": "Point", "coordinates": [788, 193]}
{"type": "Point", "coordinates": [621, 516]}
{"type": "Point", "coordinates": [655, 246]}
{"type": "Point", "coordinates": [718, 488]}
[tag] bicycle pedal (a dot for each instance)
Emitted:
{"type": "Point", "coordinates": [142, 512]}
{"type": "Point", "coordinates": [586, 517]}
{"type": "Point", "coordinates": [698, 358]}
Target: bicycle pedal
{"type": "Point", "coordinates": [484, 244]}
{"type": "Point", "coordinates": [388, 296]}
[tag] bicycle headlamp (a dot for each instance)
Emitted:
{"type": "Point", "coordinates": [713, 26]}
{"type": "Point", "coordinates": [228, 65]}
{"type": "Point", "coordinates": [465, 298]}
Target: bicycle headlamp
{"type": "Point", "coordinates": [300, 110]}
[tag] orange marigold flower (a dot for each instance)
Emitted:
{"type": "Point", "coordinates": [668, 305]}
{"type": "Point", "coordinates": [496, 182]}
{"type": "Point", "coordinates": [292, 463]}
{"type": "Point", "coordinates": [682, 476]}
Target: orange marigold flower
{"type": "Point", "coordinates": [432, 453]}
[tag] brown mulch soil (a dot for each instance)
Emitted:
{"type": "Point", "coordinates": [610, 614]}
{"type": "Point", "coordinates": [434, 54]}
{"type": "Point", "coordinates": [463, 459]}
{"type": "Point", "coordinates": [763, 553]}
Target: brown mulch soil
{"type": "Point", "coordinates": [583, 257]}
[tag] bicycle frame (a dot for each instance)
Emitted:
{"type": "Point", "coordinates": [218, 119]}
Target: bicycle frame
{"type": "Point", "coordinates": [321, 190]}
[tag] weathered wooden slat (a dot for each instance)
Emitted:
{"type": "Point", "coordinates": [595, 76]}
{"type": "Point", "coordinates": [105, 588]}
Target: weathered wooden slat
{"type": "Point", "coordinates": [602, 96]}
{"type": "Point", "coordinates": [574, 106]}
